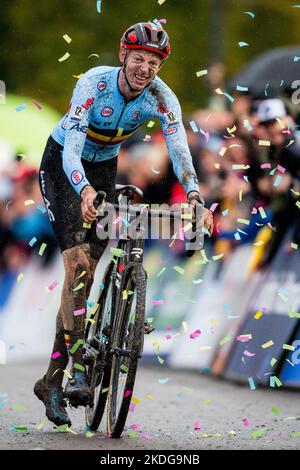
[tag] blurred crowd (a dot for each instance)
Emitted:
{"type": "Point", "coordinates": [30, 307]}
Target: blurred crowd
{"type": "Point", "coordinates": [246, 152]}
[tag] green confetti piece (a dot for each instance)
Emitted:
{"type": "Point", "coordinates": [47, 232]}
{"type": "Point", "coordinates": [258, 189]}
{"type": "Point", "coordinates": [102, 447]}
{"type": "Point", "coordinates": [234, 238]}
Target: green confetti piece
{"type": "Point", "coordinates": [79, 367]}
{"type": "Point", "coordinates": [42, 248]}
{"type": "Point", "coordinates": [216, 257]}
{"type": "Point", "coordinates": [276, 410]}
{"type": "Point", "coordinates": [293, 314]}
{"type": "Point", "coordinates": [298, 204]}
{"type": "Point", "coordinates": [200, 73]}
{"type": "Point", "coordinates": [296, 434]}
{"type": "Point", "coordinates": [224, 340]}
{"type": "Point", "coordinates": [275, 381]}
{"type": "Point", "coordinates": [294, 246]}
{"type": "Point", "coordinates": [288, 347]}
{"type": "Point", "coordinates": [124, 368]}
{"type": "Point", "coordinates": [178, 269]}
{"type": "Point", "coordinates": [20, 428]}
{"type": "Point", "coordinates": [117, 252]}
{"type": "Point", "coordinates": [89, 434]}
{"type": "Point", "coordinates": [258, 433]}
{"type": "Point", "coordinates": [80, 286]}
{"type": "Point", "coordinates": [160, 360]}
{"type": "Point", "coordinates": [75, 346]}
{"type": "Point", "coordinates": [18, 406]}
{"type": "Point", "coordinates": [86, 225]}
{"type": "Point", "coordinates": [244, 221]}
{"type": "Point", "coordinates": [132, 433]}
{"type": "Point", "coordinates": [187, 389]}
{"type": "Point", "coordinates": [273, 361]}
{"type": "Point", "coordinates": [62, 427]}
{"type": "Point", "coordinates": [161, 271]}
{"type": "Point", "coordinates": [262, 212]}
{"type": "Point", "coordinates": [150, 124]}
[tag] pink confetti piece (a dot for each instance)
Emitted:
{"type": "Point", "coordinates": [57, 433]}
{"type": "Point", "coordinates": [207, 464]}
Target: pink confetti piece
{"type": "Point", "coordinates": [134, 426]}
{"type": "Point", "coordinates": [53, 285]}
{"type": "Point", "coordinates": [81, 311]}
{"type": "Point", "coordinates": [37, 104]}
{"type": "Point", "coordinates": [55, 355]}
{"type": "Point", "coordinates": [245, 422]}
{"type": "Point", "coordinates": [168, 327]}
{"type": "Point", "coordinates": [254, 210]}
{"type": "Point", "coordinates": [243, 338]}
{"type": "Point", "coordinates": [117, 220]}
{"type": "Point", "coordinates": [213, 206]}
{"type": "Point", "coordinates": [197, 427]}
{"type": "Point", "coordinates": [132, 407]}
{"type": "Point", "coordinates": [168, 337]}
{"type": "Point", "coordinates": [127, 393]}
{"type": "Point", "coordinates": [163, 20]}
{"type": "Point", "coordinates": [181, 233]}
{"type": "Point", "coordinates": [147, 437]}
{"type": "Point", "coordinates": [266, 165]}
{"type": "Point", "coordinates": [281, 169]}
{"type": "Point", "coordinates": [195, 334]}
{"type": "Point", "coordinates": [147, 138]}
{"type": "Point", "coordinates": [248, 353]}
{"type": "Point", "coordinates": [157, 302]}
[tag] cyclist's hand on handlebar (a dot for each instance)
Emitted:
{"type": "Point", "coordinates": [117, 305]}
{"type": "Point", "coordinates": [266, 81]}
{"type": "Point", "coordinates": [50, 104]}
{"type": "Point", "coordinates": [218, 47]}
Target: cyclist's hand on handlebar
{"type": "Point", "coordinates": [88, 210]}
{"type": "Point", "coordinates": [208, 221]}
{"type": "Point", "coordinates": [201, 217]}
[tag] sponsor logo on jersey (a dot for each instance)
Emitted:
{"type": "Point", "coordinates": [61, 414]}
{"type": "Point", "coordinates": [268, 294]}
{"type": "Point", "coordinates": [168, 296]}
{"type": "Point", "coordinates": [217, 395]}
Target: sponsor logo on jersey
{"type": "Point", "coordinates": [76, 177]}
{"type": "Point", "coordinates": [77, 114]}
{"type": "Point", "coordinates": [107, 111]}
{"type": "Point", "coordinates": [101, 86]}
{"type": "Point", "coordinates": [170, 130]}
{"type": "Point", "coordinates": [77, 127]}
{"type": "Point", "coordinates": [88, 103]}
{"type": "Point", "coordinates": [171, 118]}
{"type": "Point", "coordinates": [136, 116]}
{"type": "Point", "coordinates": [162, 109]}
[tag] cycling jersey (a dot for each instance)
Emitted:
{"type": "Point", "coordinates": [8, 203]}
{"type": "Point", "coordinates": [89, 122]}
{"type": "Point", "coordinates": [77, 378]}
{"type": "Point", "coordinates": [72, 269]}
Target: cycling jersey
{"type": "Point", "coordinates": [99, 119]}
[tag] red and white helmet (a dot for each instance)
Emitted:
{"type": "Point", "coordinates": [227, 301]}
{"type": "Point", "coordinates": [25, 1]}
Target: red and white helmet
{"type": "Point", "coordinates": [149, 37]}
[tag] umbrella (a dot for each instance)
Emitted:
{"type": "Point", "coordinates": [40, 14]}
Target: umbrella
{"type": "Point", "coordinates": [270, 72]}
{"type": "Point", "coordinates": [25, 127]}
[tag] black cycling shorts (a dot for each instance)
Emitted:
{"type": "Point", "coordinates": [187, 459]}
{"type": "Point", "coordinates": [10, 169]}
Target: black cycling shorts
{"type": "Point", "coordinates": [64, 204]}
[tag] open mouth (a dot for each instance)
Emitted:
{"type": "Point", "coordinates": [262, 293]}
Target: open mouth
{"type": "Point", "coordinates": [140, 80]}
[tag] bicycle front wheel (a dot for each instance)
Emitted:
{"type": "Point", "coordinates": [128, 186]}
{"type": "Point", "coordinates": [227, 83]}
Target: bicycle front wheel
{"type": "Point", "coordinates": [127, 347]}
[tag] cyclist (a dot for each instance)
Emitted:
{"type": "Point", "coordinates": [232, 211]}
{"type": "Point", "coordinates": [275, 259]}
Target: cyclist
{"type": "Point", "coordinates": [80, 158]}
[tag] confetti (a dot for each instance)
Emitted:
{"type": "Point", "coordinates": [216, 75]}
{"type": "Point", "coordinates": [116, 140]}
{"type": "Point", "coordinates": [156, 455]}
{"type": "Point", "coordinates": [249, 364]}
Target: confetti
{"type": "Point", "coordinates": [29, 202]}
{"type": "Point", "coordinates": [55, 355]}
{"type": "Point", "coordinates": [42, 249]}
{"type": "Point", "coordinates": [265, 143]}
{"type": "Point", "coordinates": [248, 353]}
{"type": "Point", "coordinates": [258, 315]}
{"type": "Point", "coordinates": [267, 345]}
{"type": "Point", "coordinates": [200, 73]}
{"type": "Point", "coordinates": [251, 383]}
{"type": "Point", "coordinates": [275, 381]}
{"type": "Point", "coordinates": [288, 347]}
{"type": "Point", "coordinates": [243, 221]}
{"type": "Point", "coordinates": [21, 107]}
{"type": "Point", "coordinates": [262, 212]}
{"type": "Point", "coordinates": [80, 286]}
{"type": "Point", "coordinates": [224, 340]}
{"type": "Point", "coordinates": [67, 38]}
{"type": "Point", "coordinates": [163, 381]}
{"type": "Point", "coordinates": [117, 251]}
{"type": "Point", "coordinates": [273, 361]}
{"type": "Point", "coordinates": [213, 206]}
{"type": "Point", "coordinates": [258, 433]}
{"type": "Point", "coordinates": [277, 180]}
{"type": "Point", "coordinates": [32, 241]}
{"type": "Point", "coordinates": [220, 92]}
{"type": "Point", "coordinates": [194, 126]}
{"type": "Point", "coordinates": [276, 410]}
{"type": "Point", "coordinates": [242, 88]}
{"type": "Point", "coordinates": [245, 422]}
{"type": "Point", "coordinates": [161, 271]}
{"type": "Point", "coordinates": [20, 277]}
{"type": "Point", "coordinates": [127, 393]}
{"type": "Point", "coordinates": [79, 312]}
{"type": "Point", "coordinates": [64, 57]}
{"type": "Point", "coordinates": [178, 269]}
{"type": "Point", "coordinates": [195, 334]}
{"type": "Point", "coordinates": [150, 124]}
{"type": "Point", "coordinates": [249, 13]}
{"type": "Point", "coordinates": [98, 6]}
{"type": "Point", "coordinates": [155, 171]}
{"type": "Point", "coordinates": [37, 104]}
{"type": "Point", "coordinates": [243, 44]}
{"type": "Point", "coordinates": [244, 338]}
{"type": "Point", "coordinates": [160, 2]}
{"type": "Point", "coordinates": [79, 366]}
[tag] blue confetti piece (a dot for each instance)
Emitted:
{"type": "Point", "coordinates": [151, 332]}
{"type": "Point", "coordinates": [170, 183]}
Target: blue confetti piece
{"type": "Point", "coordinates": [296, 6]}
{"type": "Point", "coordinates": [296, 58]}
{"type": "Point", "coordinates": [163, 381]}
{"type": "Point", "coordinates": [245, 177]}
{"type": "Point", "coordinates": [277, 180]}
{"type": "Point", "coordinates": [227, 309]}
{"type": "Point", "coordinates": [266, 94]}
{"type": "Point", "coordinates": [281, 83]}
{"type": "Point", "coordinates": [242, 88]}
{"type": "Point", "coordinates": [21, 107]}
{"type": "Point", "coordinates": [241, 231]}
{"type": "Point", "coordinates": [225, 212]}
{"type": "Point", "coordinates": [229, 97]}
{"type": "Point", "coordinates": [41, 208]}
{"type": "Point", "coordinates": [243, 44]}
{"type": "Point", "coordinates": [194, 126]}
{"type": "Point", "coordinates": [32, 241]}
{"type": "Point", "coordinates": [90, 303]}
{"type": "Point", "coordinates": [99, 6]}
{"type": "Point", "coordinates": [251, 383]}
{"type": "Point", "coordinates": [237, 236]}
{"type": "Point", "coordinates": [249, 13]}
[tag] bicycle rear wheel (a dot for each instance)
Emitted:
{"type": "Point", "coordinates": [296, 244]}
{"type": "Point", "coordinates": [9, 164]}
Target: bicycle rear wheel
{"type": "Point", "coordinates": [127, 345]}
{"type": "Point", "coordinates": [97, 335]}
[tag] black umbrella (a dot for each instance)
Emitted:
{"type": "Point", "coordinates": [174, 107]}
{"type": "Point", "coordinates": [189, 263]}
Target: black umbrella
{"type": "Point", "coordinates": [270, 72]}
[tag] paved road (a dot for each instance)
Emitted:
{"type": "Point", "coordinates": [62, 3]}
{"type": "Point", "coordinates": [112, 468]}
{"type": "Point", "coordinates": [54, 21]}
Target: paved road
{"type": "Point", "coordinates": [170, 403]}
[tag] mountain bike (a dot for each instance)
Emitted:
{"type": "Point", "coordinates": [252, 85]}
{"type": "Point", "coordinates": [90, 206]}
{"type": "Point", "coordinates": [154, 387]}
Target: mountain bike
{"type": "Point", "coordinates": [114, 334]}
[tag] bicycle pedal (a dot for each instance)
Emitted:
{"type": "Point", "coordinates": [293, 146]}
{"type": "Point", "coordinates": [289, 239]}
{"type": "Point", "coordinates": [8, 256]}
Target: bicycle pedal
{"type": "Point", "coordinates": [148, 328]}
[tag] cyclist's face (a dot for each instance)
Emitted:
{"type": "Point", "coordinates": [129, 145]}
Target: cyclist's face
{"type": "Point", "coordinates": [141, 68]}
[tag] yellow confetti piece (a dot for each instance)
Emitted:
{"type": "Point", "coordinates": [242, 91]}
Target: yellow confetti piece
{"type": "Point", "coordinates": [94, 55]}
{"type": "Point", "coordinates": [240, 195]}
{"type": "Point", "coordinates": [155, 343]}
{"type": "Point", "coordinates": [281, 123]}
{"type": "Point", "coordinates": [262, 212]}
{"type": "Point", "coordinates": [135, 400]}
{"type": "Point", "coordinates": [94, 309]}
{"type": "Point", "coordinates": [80, 286]}
{"type": "Point", "coordinates": [86, 225]}
{"type": "Point", "coordinates": [124, 295]}
{"type": "Point", "coordinates": [225, 340]}
{"type": "Point", "coordinates": [265, 143]}
{"type": "Point", "coordinates": [267, 345]}
{"type": "Point", "coordinates": [231, 131]}
{"type": "Point", "coordinates": [240, 167]}
{"type": "Point", "coordinates": [90, 320]}
{"type": "Point", "coordinates": [78, 76]}
{"type": "Point", "coordinates": [288, 347]}
{"type": "Point", "coordinates": [217, 166]}
{"type": "Point", "coordinates": [42, 424]}
{"type": "Point", "coordinates": [178, 269]}
{"type": "Point", "coordinates": [20, 277]}
{"type": "Point", "coordinates": [67, 38]}
{"type": "Point", "coordinates": [67, 373]}
{"type": "Point", "coordinates": [81, 274]}
{"type": "Point", "coordinates": [197, 281]}
{"type": "Point", "coordinates": [222, 151]}
{"type": "Point", "coordinates": [200, 73]}
{"type": "Point", "coordinates": [64, 57]}
{"type": "Point", "coordinates": [149, 397]}
{"type": "Point", "coordinates": [205, 348]}
{"type": "Point", "coordinates": [160, 2]}
{"type": "Point", "coordinates": [258, 315]}
{"type": "Point", "coordinates": [186, 216]}
{"type": "Point", "coordinates": [71, 430]}
{"type": "Point", "coordinates": [294, 246]}
{"type": "Point", "coordinates": [42, 249]}
{"type": "Point", "coordinates": [29, 202]}
{"type": "Point", "coordinates": [150, 124]}
{"type": "Point", "coordinates": [243, 221]}
{"type": "Point", "coordinates": [273, 361]}
{"type": "Point", "coordinates": [259, 243]}
{"type": "Point", "coordinates": [216, 257]}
